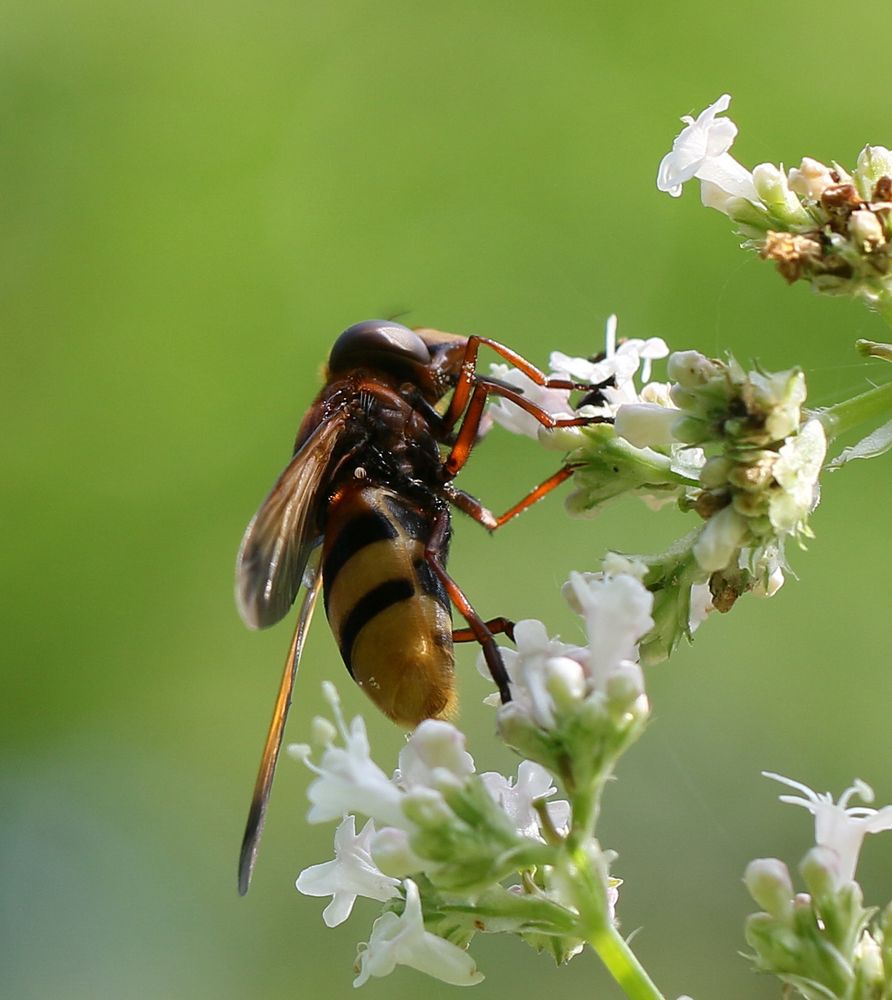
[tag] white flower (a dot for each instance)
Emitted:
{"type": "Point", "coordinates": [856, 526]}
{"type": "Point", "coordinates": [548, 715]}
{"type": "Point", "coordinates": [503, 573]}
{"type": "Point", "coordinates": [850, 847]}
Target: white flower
{"type": "Point", "coordinates": [621, 362]}
{"type": "Point", "coordinates": [347, 779]}
{"type": "Point", "coordinates": [351, 874]}
{"type": "Point", "coordinates": [513, 418]}
{"type": "Point", "coordinates": [516, 798]}
{"type": "Point", "coordinates": [535, 662]}
{"type": "Point", "coordinates": [402, 940]}
{"type": "Point", "coordinates": [616, 610]}
{"type": "Point", "coordinates": [796, 470]}
{"type": "Point", "coordinates": [701, 150]}
{"type": "Point", "coordinates": [839, 828]}
{"type": "Point", "coordinates": [434, 755]}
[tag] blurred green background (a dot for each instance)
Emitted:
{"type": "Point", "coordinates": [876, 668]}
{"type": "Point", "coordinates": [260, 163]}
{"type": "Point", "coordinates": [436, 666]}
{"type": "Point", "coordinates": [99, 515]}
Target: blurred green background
{"type": "Point", "coordinates": [196, 199]}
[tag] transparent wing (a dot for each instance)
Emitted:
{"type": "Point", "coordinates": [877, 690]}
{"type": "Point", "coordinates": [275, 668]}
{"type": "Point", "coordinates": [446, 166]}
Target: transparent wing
{"type": "Point", "coordinates": [279, 539]}
{"type": "Point", "coordinates": [257, 812]}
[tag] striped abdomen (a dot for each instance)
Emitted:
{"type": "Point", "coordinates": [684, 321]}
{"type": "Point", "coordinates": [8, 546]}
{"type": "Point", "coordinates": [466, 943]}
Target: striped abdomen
{"type": "Point", "coordinates": [388, 611]}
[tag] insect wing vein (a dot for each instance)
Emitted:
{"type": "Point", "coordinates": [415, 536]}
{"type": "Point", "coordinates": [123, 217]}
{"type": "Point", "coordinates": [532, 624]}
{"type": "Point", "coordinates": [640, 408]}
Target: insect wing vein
{"type": "Point", "coordinates": [281, 535]}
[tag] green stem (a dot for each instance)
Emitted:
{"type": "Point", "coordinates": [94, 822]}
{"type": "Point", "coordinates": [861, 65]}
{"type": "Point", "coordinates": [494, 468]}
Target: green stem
{"type": "Point", "coordinates": [622, 964]}
{"type": "Point", "coordinates": [602, 935]}
{"type": "Point", "coordinates": [874, 404]}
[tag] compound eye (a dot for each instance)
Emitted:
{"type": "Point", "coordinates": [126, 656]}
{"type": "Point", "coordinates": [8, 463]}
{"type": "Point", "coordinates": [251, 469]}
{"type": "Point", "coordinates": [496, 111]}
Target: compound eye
{"type": "Point", "coordinates": [378, 343]}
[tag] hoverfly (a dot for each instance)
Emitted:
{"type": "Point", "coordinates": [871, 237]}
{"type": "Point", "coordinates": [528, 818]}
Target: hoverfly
{"type": "Point", "coordinates": [368, 483]}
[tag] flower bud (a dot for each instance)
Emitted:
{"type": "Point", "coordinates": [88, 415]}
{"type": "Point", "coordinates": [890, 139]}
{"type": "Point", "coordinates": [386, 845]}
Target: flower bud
{"type": "Point", "coordinates": [810, 178]}
{"type": "Point", "coordinates": [774, 190]}
{"type": "Point", "coordinates": [715, 472]}
{"type": "Point", "coordinates": [870, 963]}
{"type": "Point", "coordinates": [564, 681]}
{"type": "Point", "coordinates": [866, 229]}
{"type": "Point", "coordinates": [874, 162]}
{"type": "Point", "coordinates": [820, 871]}
{"type": "Point", "coordinates": [690, 368]}
{"type": "Point", "coordinates": [646, 425]}
{"type": "Point", "coordinates": [427, 808]}
{"type": "Point", "coordinates": [768, 882]}
{"type": "Point", "coordinates": [720, 539]}
{"type": "Point", "coordinates": [391, 852]}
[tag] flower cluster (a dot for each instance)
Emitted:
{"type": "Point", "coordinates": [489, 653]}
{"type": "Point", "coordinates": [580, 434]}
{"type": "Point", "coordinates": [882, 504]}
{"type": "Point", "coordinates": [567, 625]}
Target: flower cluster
{"type": "Point", "coordinates": [451, 852]}
{"type": "Point", "coordinates": [731, 445]}
{"type": "Point", "coordinates": [758, 483]}
{"type": "Point", "coordinates": [821, 942]}
{"type": "Point", "coordinates": [574, 709]}
{"type": "Point", "coordinates": [818, 223]}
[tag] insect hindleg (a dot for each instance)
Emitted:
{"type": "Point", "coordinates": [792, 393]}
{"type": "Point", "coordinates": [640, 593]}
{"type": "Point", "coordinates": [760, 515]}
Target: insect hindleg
{"type": "Point", "coordinates": [478, 627]}
{"type": "Point", "coordinates": [497, 626]}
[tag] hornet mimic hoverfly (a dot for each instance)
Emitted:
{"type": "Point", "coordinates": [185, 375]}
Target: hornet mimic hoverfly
{"type": "Point", "coordinates": [367, 482]}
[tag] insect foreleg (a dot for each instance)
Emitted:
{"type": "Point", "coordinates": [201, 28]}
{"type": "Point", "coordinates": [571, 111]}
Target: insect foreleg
{"type": "Point", "coordinates": [468, 376]}
{"type": "Point", "coordinates": [468, 431]}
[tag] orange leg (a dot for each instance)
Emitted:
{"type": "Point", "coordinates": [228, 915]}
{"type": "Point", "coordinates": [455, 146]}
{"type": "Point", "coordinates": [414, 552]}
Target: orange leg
{"type": "Point", "coordinates": [496, 625]}
{"type": "Point", "coordinates": [468, 377]}
{"type": "Point", "coordinates": [475, 509]}
{"type": "Point", "coordinates": [468, 432]}
{"type": "Point", "coordinates": [478, 628]}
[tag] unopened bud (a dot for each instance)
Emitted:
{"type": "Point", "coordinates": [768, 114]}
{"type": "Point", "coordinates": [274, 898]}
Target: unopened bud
{"type": "Point", "coordinates": [646, 425]}
{"type": "Point", "coordinates": [690, 368]}
{"type": "Point", "coordinates": [810, 178]}
{"type": "Point", "coordinates": [391, 852]}
{"type": "Point", "coordinates": [768, 882]}
{"type": "Point", "coordinates": [866, 229]}
{"type": "Point", "coordinates": [564, 681]}
{"type": "Point", "coordinates": [820, 871]}
{"type": "Point", "coordinates": [874, 163]}
{"type": "Point", "coordinates": [715, 472]}
{"type": "Point", "coordinates": [720, 540]}
{"type": "Point", "coordinates": [870, 962]}
{"type": "Point", "coordinates": [426, 807]}
{"type": "Point", "coordinates": [774, 190]}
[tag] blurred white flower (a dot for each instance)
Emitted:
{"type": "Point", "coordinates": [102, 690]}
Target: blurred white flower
{"type": "Point", "coordinates": [616, 610]}
{"type": "Point", "coordinates": [402, 940]}
{"type": "Point", "coordinates": [796, 470]}
{"type": "Point", "coordinates": [534, 667]}
{"type": "Point", "coordinates": [839, 828]}
{"type": "Point", "coordinates": [434, 754]}
{"type": "Point", "coordinates": [347, 779]}
{"type": "Point", "coordinates": [351, 874]}
{"type": "Point", "coordinates": [701, 150]}
{"type": "Point", "coordinates": [518, 421]}
{"type": "Point", "coordinates": [516, 797]}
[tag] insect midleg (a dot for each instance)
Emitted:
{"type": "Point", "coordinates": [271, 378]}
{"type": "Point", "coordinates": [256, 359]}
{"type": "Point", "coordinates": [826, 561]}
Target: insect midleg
{"type": "Point", "coordinates": [468, 377]}
{"type": "Point", "coordinates": [497, 626]}
{"type": "Point", "coordinates": [478, 626]}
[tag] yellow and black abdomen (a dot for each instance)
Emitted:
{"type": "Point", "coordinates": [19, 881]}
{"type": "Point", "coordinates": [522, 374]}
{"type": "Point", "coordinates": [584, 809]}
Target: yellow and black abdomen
{"type": "Point", "coordinates": [387, 609]}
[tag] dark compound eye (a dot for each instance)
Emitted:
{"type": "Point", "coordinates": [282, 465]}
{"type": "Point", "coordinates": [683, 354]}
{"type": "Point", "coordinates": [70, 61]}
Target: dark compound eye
{"type": "Point", "coordinates": [378, 343]}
